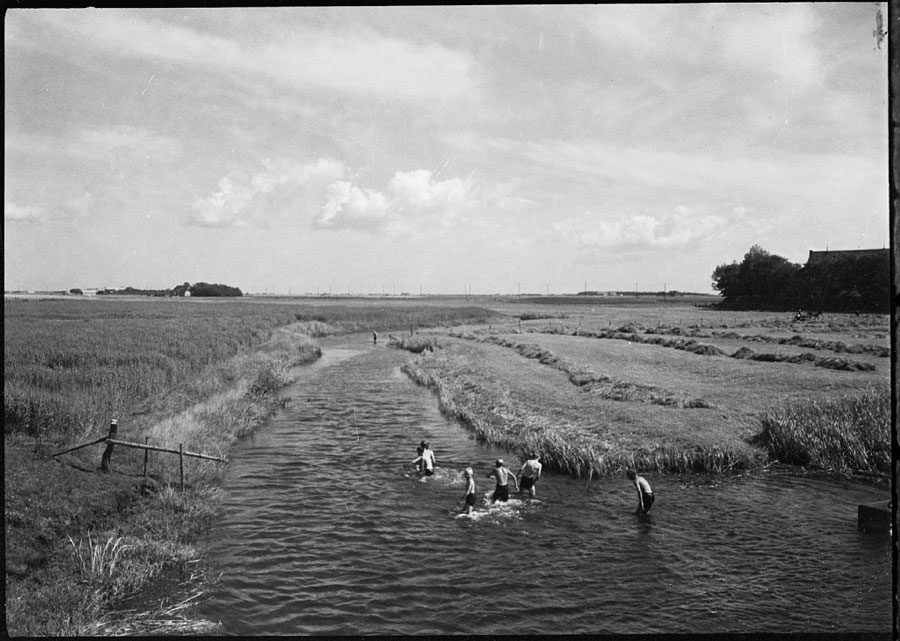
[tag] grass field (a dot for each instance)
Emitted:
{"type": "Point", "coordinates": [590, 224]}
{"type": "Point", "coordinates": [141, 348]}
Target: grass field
{"type": "Point", "coordinates": [665, 387]}
{"type": "Point", "coordinates": [592, 384]}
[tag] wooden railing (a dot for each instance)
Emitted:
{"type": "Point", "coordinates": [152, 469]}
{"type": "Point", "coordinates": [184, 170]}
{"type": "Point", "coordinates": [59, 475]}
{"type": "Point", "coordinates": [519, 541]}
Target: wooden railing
{"type": "Point", "coordinates": [112, 441]}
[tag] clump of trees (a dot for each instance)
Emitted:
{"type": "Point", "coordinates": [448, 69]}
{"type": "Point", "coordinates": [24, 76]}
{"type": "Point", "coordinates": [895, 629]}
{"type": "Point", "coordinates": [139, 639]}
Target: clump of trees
{"type": "Point", "coordinates": [841, 283]}
{"type": "Point", "coordinates": [185, 289]}
{"type": "Point", "coordinates": [132, 291]}
{"type": "Point", "coordinates": [207, 289]}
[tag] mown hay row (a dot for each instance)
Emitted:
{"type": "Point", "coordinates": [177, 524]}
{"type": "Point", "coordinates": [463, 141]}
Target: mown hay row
{"type": "Point", "coordinates": [600, 384]}
{"type": "Point", "coordinates": [563, 447]}
{"type": "Point", "coordinates": [629, 333]}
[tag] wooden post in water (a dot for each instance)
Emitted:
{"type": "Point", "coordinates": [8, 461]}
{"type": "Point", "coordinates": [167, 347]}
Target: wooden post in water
{"type": "Point", "coordinates": [107, 453]}
{"type": "Point", "coordinates": [146, 455]}
{"type": "Point", "coordinates": [181, 463]}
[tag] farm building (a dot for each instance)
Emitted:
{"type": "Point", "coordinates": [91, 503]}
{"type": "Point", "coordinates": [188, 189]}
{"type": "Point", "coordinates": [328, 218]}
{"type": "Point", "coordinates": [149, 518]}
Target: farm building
{"type": "Point", "coordinates": [820, 257]}
{"type": "Point", "coordinates": [855, 279]}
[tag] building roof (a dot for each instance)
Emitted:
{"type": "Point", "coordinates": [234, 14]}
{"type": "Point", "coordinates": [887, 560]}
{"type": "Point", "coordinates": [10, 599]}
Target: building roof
{"type": "Point", "coordinates": [824, 256]}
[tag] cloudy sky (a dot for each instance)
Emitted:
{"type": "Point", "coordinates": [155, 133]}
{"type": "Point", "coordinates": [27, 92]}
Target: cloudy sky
{"type": "Point", "coordinates": [438, 149]}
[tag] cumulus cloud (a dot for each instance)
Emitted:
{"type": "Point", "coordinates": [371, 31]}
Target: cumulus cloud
{"type": "Point", "coordinates": [348, 206]}
{"type": "Point", "coordinates": [241, 200]}
{"type": "Point", "coordinates": [14, 212]}
{"type": "Point", "coordinates": [414, 199]}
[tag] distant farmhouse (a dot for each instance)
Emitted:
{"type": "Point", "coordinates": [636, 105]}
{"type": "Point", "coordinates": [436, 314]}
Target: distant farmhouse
{"type": "Point", "coordinates": [847, 280]}
{"type": "Point", "coordinates": [818, 258]}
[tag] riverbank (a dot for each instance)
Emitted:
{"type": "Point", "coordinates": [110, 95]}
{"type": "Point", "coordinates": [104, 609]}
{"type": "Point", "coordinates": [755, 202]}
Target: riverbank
{"type": "Point", "coordinates": [648, 408]}
{"type": "Point", "coordinates": [112, 554]}
{"type": "Point", "coordinates": [82, 544]}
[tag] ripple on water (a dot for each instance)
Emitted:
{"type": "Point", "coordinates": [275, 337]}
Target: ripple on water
{"type": "Point", "coordinates": [327, 530]}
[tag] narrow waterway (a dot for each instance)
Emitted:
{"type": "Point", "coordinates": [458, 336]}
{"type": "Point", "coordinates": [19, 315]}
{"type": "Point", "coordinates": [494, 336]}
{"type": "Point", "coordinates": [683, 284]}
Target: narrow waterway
{"type": "Point", "coordinates": [327, 530]}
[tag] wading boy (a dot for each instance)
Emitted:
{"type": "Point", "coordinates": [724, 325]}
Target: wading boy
{"type": "Point", "coordinates": [469, 498]}
{"type": "Point", "coordinates": [645, 492]}
{"type": "Point", "coordinates": [530, 473]}
{"type": "Point", "coordinates": [502, 474]}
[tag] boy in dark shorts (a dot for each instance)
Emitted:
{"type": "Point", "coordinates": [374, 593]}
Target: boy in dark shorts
{"type": "Point", "coordinates": [502, 474]}
{"type": "Point", "coordinates": [530, 473]}
{"type": "Point", "coordinates": [469, 498]}
{"type": "Point", "coordinates": [425, 461]}
{"type": "Point", "coordinates": [645, 492]}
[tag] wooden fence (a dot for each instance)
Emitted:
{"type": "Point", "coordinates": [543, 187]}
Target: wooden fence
{"type": "Point", "coordinates": [112, 441]}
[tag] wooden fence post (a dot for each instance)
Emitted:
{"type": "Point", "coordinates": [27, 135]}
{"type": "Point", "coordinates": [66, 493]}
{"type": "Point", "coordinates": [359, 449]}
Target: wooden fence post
{"type": "Point", "coordinates": [181, 463]}
{"type": "Point", "coordinates": [146, 455]}
{"type": "Point", "coordinates": [107, 453]}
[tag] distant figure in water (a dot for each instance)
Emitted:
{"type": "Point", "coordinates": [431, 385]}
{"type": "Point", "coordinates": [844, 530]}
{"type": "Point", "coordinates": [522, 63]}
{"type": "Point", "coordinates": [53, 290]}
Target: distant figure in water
{"type": "Point", "coordinates": [374, 338]}
{"type": "Point", "coordinates": [502, 474]}
{"type": "Point", "coordinates": [530, 473]}
{"type": "Point", "coordinates": [469, 498]}
{"type": "Point", "coordinates": [418, 462]}
{"type": "Point", "coordinates": [645, 492]}
{"type": "Point", "coordinates": [426, 459]}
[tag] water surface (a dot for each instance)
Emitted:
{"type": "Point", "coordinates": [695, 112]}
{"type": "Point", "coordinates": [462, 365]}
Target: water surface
{"type": "Point", "coordinates": [327, 529]}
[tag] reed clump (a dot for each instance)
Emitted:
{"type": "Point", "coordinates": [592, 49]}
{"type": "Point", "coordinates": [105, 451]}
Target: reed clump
{"type": "Point", "coordinates": [846, 435]}
{"type": "Point", "coordinates": [415, 344]}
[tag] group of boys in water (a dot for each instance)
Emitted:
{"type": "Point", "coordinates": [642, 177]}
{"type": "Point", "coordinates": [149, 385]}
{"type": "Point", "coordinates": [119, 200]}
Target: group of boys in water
{"type": "Point", "coordinates": [530, 473]}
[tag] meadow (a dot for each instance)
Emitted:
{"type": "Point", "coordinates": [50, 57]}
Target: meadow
{"type": "Point", "coordinates": [593, 384]}
{"type": "Point", "coordinates": [670, 387]}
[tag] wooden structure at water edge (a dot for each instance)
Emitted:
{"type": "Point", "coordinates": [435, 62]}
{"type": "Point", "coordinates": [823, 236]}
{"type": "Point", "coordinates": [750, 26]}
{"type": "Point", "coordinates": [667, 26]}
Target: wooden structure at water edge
{"type": "Point", "coordinates": [111, 441]}
{"type": "Point", "coordinates": [875, 517]}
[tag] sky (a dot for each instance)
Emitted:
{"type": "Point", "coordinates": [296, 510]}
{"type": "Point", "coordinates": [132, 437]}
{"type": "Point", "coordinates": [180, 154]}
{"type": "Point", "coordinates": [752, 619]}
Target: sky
{"type": "Point", "coordinates": [438, 149]}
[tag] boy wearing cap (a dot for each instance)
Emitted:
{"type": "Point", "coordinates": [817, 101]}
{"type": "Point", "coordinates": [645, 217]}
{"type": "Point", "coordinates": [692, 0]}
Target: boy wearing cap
{"type": "Point", "coordinates": [502, 474]}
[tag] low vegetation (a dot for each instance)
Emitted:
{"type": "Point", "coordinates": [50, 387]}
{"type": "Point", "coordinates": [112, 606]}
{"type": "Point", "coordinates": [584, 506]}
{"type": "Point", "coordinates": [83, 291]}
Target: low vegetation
{"type": "Point", "coordinates": [845, 436]}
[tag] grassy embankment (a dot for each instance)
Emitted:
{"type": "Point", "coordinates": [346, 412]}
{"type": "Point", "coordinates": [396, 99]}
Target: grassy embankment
{"type": "Point", "coordinates": [669, 410]}
{"type": "Point", "coordinates": [80, 544]}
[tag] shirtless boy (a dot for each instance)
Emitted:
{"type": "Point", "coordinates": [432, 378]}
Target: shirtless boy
{"type": "Point", "coordinates": [469, 498]}
{"type": "Point", "coordinates": [530, 473]}
{"type": "Point", "coordinates": [645, 492]}
{"type": "Point", "coordinates": [502, 474]}
{"type": "Point", "coordinates": [425, 461]}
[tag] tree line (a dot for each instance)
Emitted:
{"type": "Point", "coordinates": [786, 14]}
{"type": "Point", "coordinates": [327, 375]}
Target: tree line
{"type": "Point", "coordinates": [842, 283]}
{"type": "Point", "coordinates": [185, 289]}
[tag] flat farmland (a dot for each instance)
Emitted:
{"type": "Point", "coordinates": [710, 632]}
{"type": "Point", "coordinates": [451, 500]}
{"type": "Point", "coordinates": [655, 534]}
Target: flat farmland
{"type": "Point", "coordinates": [614, 385]}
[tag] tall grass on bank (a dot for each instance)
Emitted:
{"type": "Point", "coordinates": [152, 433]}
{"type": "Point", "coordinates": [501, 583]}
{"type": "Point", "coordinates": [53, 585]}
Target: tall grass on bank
{"type": "Point", "coordinates": [147, 539]}
{"type": "Point", "coordinates": [564, 448]}
{"type": "Point", "coordinates": [69, 366]}
{"type": "Point", "coordinates": [844, 435]}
